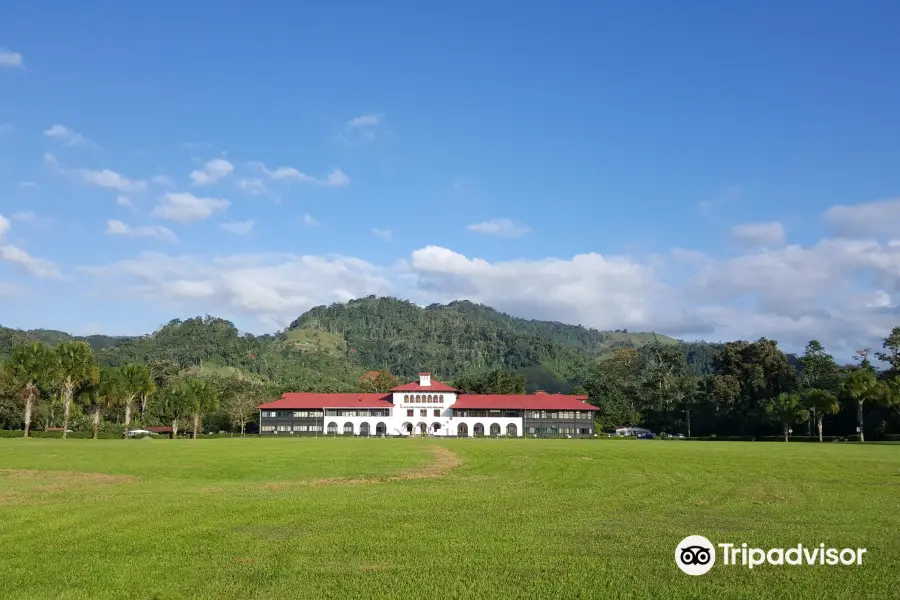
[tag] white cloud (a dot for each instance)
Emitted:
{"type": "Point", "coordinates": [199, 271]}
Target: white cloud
{"type": "Point", "coordinates": [252, 186]}
{"type": "Point", "coordinates": [185, 207]}
{"type": "Point", "coordinates": [10, 59]}
{"type": "Point", "coordinates": [238, 227]}
{"type": "Point", "coordinates": [880, 218]}
{"type": "Point", "coordinates": [844, 292]}
{"type": "Point", "coordinates": [125, 202]}
{"type": "Point", "coordinates": [26, 184]}
{"type": "Point", "coordinates": [115, 227]}
{"type": "Point", "coordinates": [500, 228]}
{"type": "Point", "coordinates": [22, 260]}
{"type": "Point", "coordinates": [104, 178]}
{"type": "Point", "coordinates": [273, 289]}
{"type": "Point", "coordinates": [310, 221]}
{"type": "Point", "coordinates": [384, 234]}
{"type": "Point", "coordinates": [67, 136]}
{"type": "Point", "coordinates": [335, 178]}
{"type": "Point", "coordinates": [212, 172]}
{"type": "Point", "coordinates": [364, 121]}
{"type": "Point", "coordinates": [109, 179]}
{"type": "Point", "coordinates": [755, 235]}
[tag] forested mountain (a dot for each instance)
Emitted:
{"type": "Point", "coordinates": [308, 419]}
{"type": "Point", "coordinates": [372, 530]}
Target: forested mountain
{"type": "Point", "coordinates": [737, 388]}
{"type": "Point", "coordinates": [328, 347]}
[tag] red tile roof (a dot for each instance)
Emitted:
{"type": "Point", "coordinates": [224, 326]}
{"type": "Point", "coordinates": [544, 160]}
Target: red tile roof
{"type": "Point", "coordinates": [299, 400]}
{"type": "Point", "coordinates": [436, 386]}
{"type": "Point", "coordinates": [523, 402]}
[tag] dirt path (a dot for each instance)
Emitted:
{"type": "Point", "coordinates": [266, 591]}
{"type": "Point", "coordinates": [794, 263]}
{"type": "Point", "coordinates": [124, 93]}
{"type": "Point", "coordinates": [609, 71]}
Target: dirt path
{"type": "Point", "coordinates": [444, 461]}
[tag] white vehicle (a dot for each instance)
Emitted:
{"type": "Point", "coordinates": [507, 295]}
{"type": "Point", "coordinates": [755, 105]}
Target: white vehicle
{"type": "Point", "coordinates": [135, 432]}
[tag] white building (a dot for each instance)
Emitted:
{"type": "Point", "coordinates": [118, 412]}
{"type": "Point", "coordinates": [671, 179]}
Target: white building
{"type": "Point", "coordinates": [428, 407]}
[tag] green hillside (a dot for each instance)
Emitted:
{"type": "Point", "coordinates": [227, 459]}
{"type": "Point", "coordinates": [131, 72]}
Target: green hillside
{"type": "Point", "coordinates": [329, 347]}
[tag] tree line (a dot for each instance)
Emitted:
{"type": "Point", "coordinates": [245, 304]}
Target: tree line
{"type": "Point", "coordinates": [752, 389]}
{"type": "Point", "coordinates": [68, 377]}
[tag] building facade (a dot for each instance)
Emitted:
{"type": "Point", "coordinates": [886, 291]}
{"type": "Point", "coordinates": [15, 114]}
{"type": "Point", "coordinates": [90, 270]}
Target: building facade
{"type": "Point", "coordinates": [428, 407]}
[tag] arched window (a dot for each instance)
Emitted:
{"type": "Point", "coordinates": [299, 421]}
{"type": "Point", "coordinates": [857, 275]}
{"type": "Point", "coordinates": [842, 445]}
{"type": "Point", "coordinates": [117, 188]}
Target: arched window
{"type": "Point", "coordinates": [441, 398]}
{"type": "Point", "coordinates": [495, 430]}
{"type": "Point", "coordinates": [462, 430]}
{"type": "Point", "coordinates": [332, 428]}
{"type": "Point", "coordinates": [429, 398]}
{"type": "Point", "coordinates": [363, 429]}
{"type": "Point", "coordinates": [407, 428]}
{"type": "Point", "coordinates": [423, 428]}
{"type": "Point", "coordinates": [348, 428]}
{"type": "Point", "coordinates": [380, 429]}
{"type": "Point", "coordinates": [418, 398]}
{"type": "Point", "coordinates": [435, 426]}
{"type": "Point", "coordinates": [406, 398]}
{"type": "Point", "coordinates": [511, 430]}
{"type": "Point", "coordinates": [478, 429]}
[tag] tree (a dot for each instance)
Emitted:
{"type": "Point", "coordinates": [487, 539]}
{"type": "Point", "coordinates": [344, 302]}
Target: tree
{"type": "Point", "coordinates": [92, 397]}
{"type": "Point", "coordinates": [241, 397]}
{"type": "Point", "coordinates": [77, 369]}
{"type": "Point", "coordinates": [175, 403]}
{"type": "Point", "coordinates": [861, 386]}
{"type": "Point", "coordinates": [821, 402]}
{"type": "Point", "coordinates": [891, 354]}
{"type": "Point", "coordinates": [136, 383]}
{"type": "Point", "coordinates": [202, 398]}
{"type": "Point", "coordinates": [786, 409]}
{"type": "Point", "coordinates": [818, 369]}
{"type": "Point", "coordinates": [27, 369]}
{"type": "Point", "coordinates": [380, 382]}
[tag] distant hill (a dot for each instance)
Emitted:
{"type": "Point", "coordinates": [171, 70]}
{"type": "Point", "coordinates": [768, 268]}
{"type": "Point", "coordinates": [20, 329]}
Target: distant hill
{"type": "Point", "coordinates": [328, 347]}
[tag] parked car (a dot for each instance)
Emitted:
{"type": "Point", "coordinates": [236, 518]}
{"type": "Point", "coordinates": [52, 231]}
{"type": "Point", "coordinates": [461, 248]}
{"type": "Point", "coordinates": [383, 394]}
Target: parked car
{"type": "Point", "coordinates": [134, 432]}
{"type": "Point", "coordinates": [646, 435]}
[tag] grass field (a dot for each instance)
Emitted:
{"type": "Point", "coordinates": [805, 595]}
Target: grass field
{"type": "Point", "coordinates": [357, 518]}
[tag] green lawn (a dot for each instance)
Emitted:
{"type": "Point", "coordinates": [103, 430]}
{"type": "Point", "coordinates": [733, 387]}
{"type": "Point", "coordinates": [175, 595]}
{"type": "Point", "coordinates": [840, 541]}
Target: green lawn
{"type": "Point", "coordinates": [354, 518]}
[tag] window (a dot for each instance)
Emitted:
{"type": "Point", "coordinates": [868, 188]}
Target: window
{"type": "Point", "coordinates": [533, 414]}
{"type": "Point", "coordinates": [300, 427]}
{"type": "Point", "coordinates": [348, 428]}
{"type": "Point", "coordinates": [423, 412]}
{"type": "Point", "coordinates": [332, 428]}
{"type": "Point", "coordinates": [267, 428]}
{"type": "Point", "coordinates": [418, 398]}
{"type": "Point", "coordinates": [300, 414]}
{"type": "Point", "coordinates": [584, 431]}
{"type": "Point", "coordinates": [269, 413]}
{"type": "Point", "coordinates": [441, 397]}
{"type": "Point", "coordinates": [406, 398]}
{"type": "Point", "coordinates": [409, 413]}
{"type": "Point", "coordinates": [284, 428]}
{"type": "Point", "coordinates": [316, 413]}
{"type": "Point", "coordinates": [566, 414]}
{"type": "Point", "coordinates": [437, 412]}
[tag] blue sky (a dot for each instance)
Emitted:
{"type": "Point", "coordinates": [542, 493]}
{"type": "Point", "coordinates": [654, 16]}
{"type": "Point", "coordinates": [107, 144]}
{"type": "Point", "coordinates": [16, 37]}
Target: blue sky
{"type": "Point", "coordinates": [644, 165]}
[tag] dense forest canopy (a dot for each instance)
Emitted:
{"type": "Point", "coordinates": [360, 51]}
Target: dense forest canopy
{"type": "Point", "coordinates": [366, 344]}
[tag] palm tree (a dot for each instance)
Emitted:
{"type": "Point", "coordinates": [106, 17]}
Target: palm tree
{"type": "Point", "coordinates": [821, 402]}
{"type": "Point", "coordinates": [787, 410]}
{"type": "Point", "coordinates": [27, 369]}
{"type": "Point", "coordinates": [202, 399]}
{"type": "Point", "coordinates": [861, 385]}
{"type": "Point", "coordinates": [136, 383]}
{"type": "Point", "coordinates": [108, 392]}
{"type": "Point", "coordinates": [76, 369]}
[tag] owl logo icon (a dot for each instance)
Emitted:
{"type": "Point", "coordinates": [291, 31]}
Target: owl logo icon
{"type": "Point", "coordinates": [695, 555]}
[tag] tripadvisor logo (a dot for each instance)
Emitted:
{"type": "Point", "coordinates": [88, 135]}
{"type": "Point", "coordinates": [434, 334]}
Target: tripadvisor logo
{"type": "Point", "coordinates": [696, 555]}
